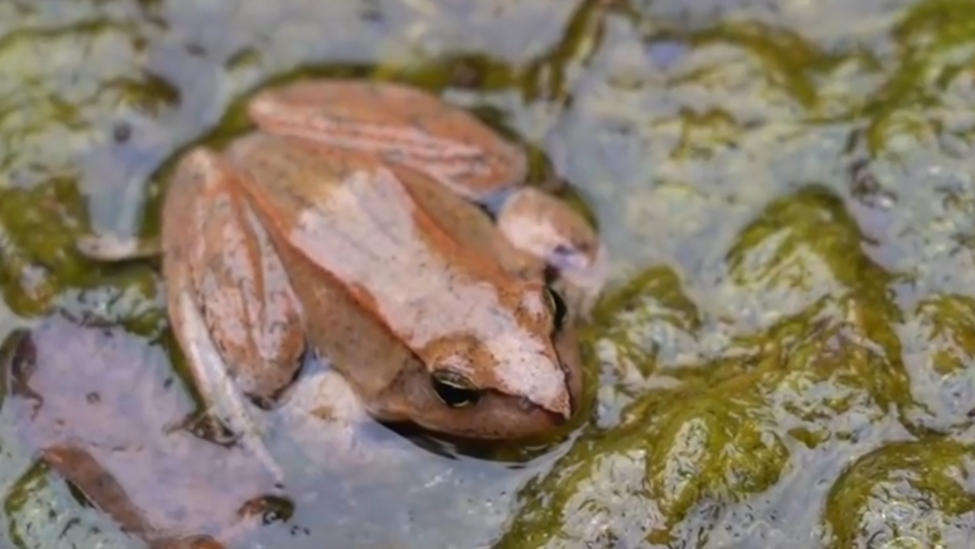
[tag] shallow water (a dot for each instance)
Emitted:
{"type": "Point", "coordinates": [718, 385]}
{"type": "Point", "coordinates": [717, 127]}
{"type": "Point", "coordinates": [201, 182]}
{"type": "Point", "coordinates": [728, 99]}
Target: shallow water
{"type": "Point", "coordinates": [784, 356]}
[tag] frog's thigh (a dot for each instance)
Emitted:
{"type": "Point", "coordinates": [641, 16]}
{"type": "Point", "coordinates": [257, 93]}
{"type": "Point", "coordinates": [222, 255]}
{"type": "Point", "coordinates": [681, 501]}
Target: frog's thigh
{"type": "Point", "coordinates": [216, 249]}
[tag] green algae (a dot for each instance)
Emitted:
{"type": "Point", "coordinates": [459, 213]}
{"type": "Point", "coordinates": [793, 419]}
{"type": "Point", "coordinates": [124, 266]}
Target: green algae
{"type": "Point", "coordinates": [785, 356]}
{"type": "Point", "coordinates": [908, 494]}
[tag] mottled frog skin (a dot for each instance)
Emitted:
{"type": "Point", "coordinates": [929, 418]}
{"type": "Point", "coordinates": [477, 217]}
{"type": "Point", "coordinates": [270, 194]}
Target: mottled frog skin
{"type": "Point", "coordinates": [378, 226]}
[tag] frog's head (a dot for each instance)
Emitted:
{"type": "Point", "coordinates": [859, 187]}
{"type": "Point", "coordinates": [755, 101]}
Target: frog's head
{"type": "Point", "coordinates": [518, 377]}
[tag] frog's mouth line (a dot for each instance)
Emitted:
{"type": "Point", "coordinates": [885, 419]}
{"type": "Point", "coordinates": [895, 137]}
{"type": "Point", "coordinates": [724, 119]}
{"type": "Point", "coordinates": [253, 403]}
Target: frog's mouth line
{"type": "Point", "coordinates": [473, 438]}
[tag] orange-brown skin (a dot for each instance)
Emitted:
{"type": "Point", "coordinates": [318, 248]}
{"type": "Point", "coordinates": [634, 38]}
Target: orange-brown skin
{"type": "Point", "coordinates": [399, 125]}
{"type": "Point", "coordinates": [346, 223]}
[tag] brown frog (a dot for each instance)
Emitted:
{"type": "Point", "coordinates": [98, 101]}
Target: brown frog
{"type": "Point", "coordinates": [389, 232]}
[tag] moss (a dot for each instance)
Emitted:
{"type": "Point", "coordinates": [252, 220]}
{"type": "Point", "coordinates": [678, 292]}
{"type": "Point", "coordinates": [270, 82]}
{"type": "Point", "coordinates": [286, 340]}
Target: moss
{"type": "Point", "coordinates": [787, 347]}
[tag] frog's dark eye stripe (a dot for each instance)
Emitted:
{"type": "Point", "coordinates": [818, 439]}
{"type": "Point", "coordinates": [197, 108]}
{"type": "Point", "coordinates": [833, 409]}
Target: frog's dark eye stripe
{"type": "Point", "coordinates": [453, 389]}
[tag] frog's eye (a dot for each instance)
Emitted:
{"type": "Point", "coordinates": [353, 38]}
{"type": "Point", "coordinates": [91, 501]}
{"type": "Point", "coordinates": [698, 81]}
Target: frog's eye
{"type": "Point", "coordinates": [557, 305]}
{"type": "Point", "coordinates": [454, 390]}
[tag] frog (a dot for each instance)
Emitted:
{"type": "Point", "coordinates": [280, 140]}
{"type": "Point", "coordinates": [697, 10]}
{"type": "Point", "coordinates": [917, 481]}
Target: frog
{"type": "Point", "coordinates": [391, 234]}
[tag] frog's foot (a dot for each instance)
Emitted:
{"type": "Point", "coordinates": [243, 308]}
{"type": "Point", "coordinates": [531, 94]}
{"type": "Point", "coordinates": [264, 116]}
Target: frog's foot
{"type": "Point", "coordinates": [542, 225]}
{"type": "Point", "coordinates": [112, 248]}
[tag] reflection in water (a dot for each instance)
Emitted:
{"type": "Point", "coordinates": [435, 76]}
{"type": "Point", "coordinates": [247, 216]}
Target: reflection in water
{"type": "Point", "coordinates": [761, 100]}
{"type": "Point", "coordinates": [93, 402]}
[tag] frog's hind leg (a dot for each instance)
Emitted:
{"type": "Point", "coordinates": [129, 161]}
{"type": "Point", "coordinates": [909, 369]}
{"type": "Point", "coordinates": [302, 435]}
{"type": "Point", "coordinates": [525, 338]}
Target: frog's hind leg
{"type": "Point", "coordinates": [540, 224]}
{"type": "Point", "coordinates": [231, 308]}
{"type": "Point", "coordinates": [220, 257]}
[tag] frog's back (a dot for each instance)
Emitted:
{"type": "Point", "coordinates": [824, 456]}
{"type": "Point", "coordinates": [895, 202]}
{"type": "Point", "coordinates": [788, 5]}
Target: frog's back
{"type": "Point", "coordinates": [358, 244]}
{"type": "Point", "coordinates": [361, 222]}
